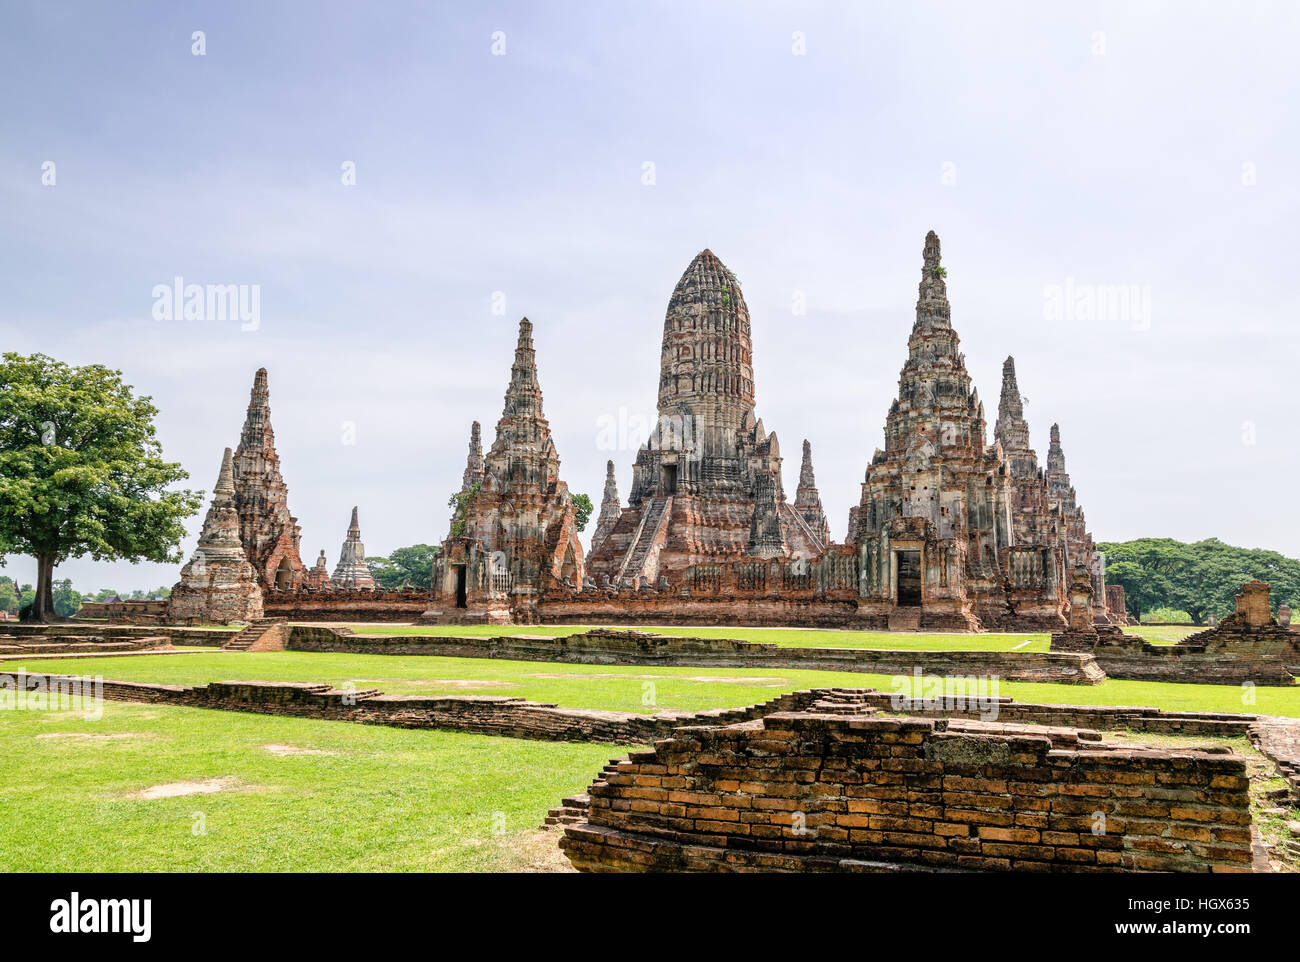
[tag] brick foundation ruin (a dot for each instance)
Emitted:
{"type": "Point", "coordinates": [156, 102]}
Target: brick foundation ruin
{"type": "Point", "coordinates": [829, 792]}
{"type": "Point", "coordinates": [607, 647]}
{"type": "Point", "coordinates": [1247, 646]}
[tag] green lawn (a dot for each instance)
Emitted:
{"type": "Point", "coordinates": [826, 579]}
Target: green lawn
{"type": "Point", "coordinates": [628, 688]}
{"type": "Point", "coordinates": [1163, 634]}
{"type": "Point", "coordinates": [372, 799]}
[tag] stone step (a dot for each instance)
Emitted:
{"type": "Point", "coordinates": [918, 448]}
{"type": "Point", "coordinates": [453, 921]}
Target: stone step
{"type": "Point", "coordinates": [905, 619]}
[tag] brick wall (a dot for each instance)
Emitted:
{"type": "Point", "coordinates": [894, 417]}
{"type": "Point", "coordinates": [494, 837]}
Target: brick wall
{"type": "Point", "coordinates": [345, 604]}
{"type": "Point", "coordinates": [802, 792]}
{"type": "Point", "coordinates": [609, 647]}
{"type": "Point", "coordinates": [204, 637]}
{"type": "Point", "coordinates": [483, 714]}
{"type": "Point", "coordinates": [1227, 655]}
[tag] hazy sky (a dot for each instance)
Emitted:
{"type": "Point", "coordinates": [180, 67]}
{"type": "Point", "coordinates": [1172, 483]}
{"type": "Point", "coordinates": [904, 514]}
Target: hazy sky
{"type": "Point", "coordinates": [1060, 154]}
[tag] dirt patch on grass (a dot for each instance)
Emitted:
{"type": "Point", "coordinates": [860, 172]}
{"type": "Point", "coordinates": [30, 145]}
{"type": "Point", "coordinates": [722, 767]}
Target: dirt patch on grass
{"type": "Point", "coordinates": [763, 681]}
{"type": "Point", "coordinates": [209, 786]}
{"type": "Point", "coordinates": [532, 851]}
{"type": "Point", "coordinates": [97, 737]}
{"type": "Point", "coordinates": [296, 750]}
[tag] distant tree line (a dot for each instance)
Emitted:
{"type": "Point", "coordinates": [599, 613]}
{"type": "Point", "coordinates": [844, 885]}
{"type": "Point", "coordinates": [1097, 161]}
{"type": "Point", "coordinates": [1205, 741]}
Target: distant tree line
{"type": "Point", "coordinates": [1199, 579]}
{"type": "Point", "coordinates": [17, 599]}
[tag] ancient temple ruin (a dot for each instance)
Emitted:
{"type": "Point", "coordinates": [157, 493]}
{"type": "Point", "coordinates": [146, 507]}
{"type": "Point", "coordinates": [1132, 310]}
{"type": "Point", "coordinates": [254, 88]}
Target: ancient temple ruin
{"type": "Point", "coordinates": [352, 570]}
{"type": "Point", "coordinates": [270, 534]}
{"type": "Point", "coordinates": [514, 529]}
{"type": "Point", "coordinates": [952, 532]}
{"type": "Point", "coordinates": [706, 486]}
{"type": "Point", "coordinates": [218, 585]}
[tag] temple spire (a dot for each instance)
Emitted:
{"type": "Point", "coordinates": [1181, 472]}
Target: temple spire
{"type": "Point", "coordinates": [706, 360]}
{"type": "Point", "coordinates": [220, 534]}
{"type": "Point", "coordinates": [257, 430]}
{"type": "Point", "coordinates": [224, 491]}
{"type": "Point", "coordinates": [1059, 489]}
{"type": "Point", "coordinates": [1011, 428]}
{"type": "Point", "coordinates": [352, 571]}
{"type": "Point", "coordinates": [474, 461]}
{"type": "Point", "coordinates": [522, 430]}
{"type": "Point", "coordinates": [270, 534]}
{"type": "Point", "coordinates": [609, 508]}
{"type": "Point", "coordinates": [524, 395]}
{"type": "Point", "coordinates": [932, 309]}
{"type": "Point", "coordinates": [807, 500]}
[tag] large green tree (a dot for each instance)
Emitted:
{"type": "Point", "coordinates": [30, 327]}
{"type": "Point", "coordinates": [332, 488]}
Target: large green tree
{"type": "Point", "coordinates": [81, 472]}
{"type": "Point", "coordinates": [8, 595]}
{"type": "Point", "coordinates": [1201, 578]}
{"type": "Point", "coordinates": [413, 565]}
{"type": "Point", "coordinates": [66, 598]}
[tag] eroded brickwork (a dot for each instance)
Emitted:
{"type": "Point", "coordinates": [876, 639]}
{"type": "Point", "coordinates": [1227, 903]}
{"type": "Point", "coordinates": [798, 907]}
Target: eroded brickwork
{"type": "Point", "coordinates": [829, 792]}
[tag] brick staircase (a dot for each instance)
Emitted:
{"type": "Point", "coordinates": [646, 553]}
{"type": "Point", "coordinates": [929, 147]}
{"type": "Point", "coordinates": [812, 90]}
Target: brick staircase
{"type": "Point", "coordinates": [844, 701]}
{"type": "Point", "coordinates": [647, 533]}
{"type": "Point", "coordinates": [573, 809]}
{"type": "Point", "coordinates": [570, 811]}
{"type": "Point", "coordinates": [251, 635]}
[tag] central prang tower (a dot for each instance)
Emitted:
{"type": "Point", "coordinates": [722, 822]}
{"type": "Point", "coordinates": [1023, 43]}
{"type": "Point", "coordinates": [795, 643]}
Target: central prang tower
{"type": "Point", "coordinates": [706, 486]}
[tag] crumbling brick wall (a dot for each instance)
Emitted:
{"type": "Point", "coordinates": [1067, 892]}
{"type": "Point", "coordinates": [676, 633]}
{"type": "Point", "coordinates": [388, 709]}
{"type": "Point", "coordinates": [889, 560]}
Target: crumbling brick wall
{"type": "Point", "coordinates": [802, 792]}
{"type": "Point", "coordinates": [611, 647]}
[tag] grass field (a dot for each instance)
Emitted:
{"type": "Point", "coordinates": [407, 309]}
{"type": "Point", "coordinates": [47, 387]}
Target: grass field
{"type": "Point", "coordinates": [371, 799]}
{"type": "Point", "coordinates": [627, 688]}
{"type": "Point", "coordinates": [160, 788]}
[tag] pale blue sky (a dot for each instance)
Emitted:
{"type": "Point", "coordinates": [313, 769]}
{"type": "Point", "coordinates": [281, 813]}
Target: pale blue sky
{"type": "Point", "coordinates": [1149, 144]}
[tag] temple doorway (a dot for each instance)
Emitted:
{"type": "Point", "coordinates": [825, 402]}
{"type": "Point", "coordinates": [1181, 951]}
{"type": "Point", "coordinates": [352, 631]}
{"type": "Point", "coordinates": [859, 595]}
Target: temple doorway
{"type": "Point", "coordinates": [909, 579]}
{"type": "Point", "coordinates": [462, 599]}
{"type": "Point", "coordinates": [669, 479]}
